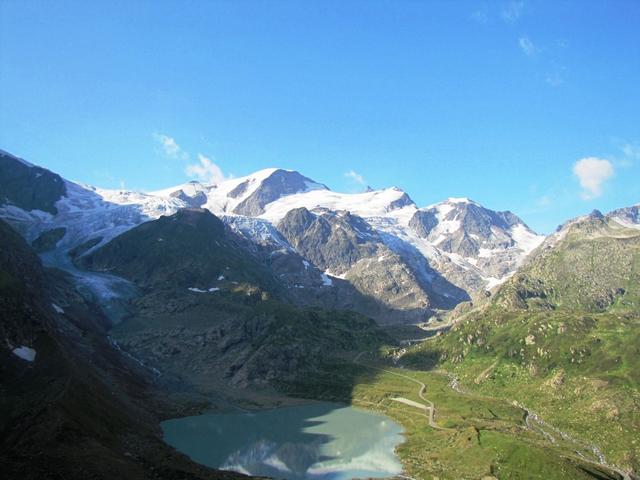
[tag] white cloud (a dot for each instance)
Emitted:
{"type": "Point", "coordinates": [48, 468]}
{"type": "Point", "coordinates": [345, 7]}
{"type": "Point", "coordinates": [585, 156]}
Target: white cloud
{"type": "Point", "coordinates": [170, 146]}
{"type": "Point", "coordinates": [206, 170]}
{"type": "Point", "coordinates": [592, 172]}
{"type": "Point", "coordinates": [356, 177]}
{"type": "Point", "coordinates": [512, 11]}
{"type": "Point", "coordinates": [527, 46]}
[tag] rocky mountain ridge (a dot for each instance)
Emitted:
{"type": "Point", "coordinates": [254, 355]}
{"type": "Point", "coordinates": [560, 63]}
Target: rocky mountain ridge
{"type": "Point", "coordinates": [446, 253]}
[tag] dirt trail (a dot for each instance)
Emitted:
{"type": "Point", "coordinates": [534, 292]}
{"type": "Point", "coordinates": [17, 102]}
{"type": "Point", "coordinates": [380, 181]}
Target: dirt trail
{"type": "Point", "coordinates": [429, 408]}
{"type": "Point", "coordinates": [485, 373]}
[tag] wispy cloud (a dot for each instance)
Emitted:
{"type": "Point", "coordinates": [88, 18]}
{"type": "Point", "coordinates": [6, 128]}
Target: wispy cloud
{"type": "Point", "coordinates": [512, 11]}
{"type": "Point", "coordinates": [627, 152]}
{"type": "Point", "coordinates": [480, 16]}
{"type": "Point", "coordinates": [554, 79]}
{"type": "Point", "coordinates": [592, 172]}
{"type": "Point", "coordinates": [527, 46]}
{"type": "Point", "coordinates": [206, 170]}
{"type": "Point", "coordinates": [356, 177]}
{"type": "Point", "coordinates": [170, 147]}
{"type": "Point", "coordinates": [544, 201]}
{"type": "Point", "coordinates": [631, 152]}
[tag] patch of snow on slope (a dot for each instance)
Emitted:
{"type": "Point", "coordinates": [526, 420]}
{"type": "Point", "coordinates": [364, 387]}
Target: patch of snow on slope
{"type": "Point", "coordinates": [326, 280]}
{"type": "Point", "coordinates": [199, 290]}
{"type": "Point", "coordinates": [460, 200]}
{"type": "Point", "coordinates": [257, 230]}
{"type": "Point", "coordinates": [367, 204]}
{"type": "Point", "coordinates": [486, 252]}
{"type": "Point", "coordinates": [525, 239]}
{"type": "Point", "coordinates": [493, 282]}
{"type": "Point", "coordinates": [25, 353]}
{"type": "Point", "coordinates": [196, 290]}
{"type": "Point", "coordinates": [190, 189]}
{"type": "Point", "coordinates": [626, 223]}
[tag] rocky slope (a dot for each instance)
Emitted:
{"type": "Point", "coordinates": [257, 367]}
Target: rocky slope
{"type": "Point", "coordinates": [209, 312]}
{"type": "Point", "coordinates": [344, 245]}
{"type": "Point", "coordinates": [590, 264]}
{"type": "Point", "coordinates": [628, 216]}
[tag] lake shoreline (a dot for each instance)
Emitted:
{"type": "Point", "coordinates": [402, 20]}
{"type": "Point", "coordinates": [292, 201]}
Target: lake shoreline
{"type": "Point", "coordinates": [313, 439]}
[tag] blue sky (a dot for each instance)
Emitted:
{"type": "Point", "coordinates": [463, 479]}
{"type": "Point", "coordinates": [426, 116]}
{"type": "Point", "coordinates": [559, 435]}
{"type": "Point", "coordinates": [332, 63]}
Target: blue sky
{"type": "Point", "coordinates": [496, 101]}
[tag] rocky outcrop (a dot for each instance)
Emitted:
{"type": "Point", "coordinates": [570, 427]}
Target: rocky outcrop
{"type": "Point", "coordinates": [332, 241]}
{"type": "Point", "coordinates": [27, 186]}
{"type": "Point", "coordinates": [48, 239]}
{"type": "Point", "coordinates": [245, 343]}
{"type": "Point", "coordinates": [477, 244]}
{"type": "Point", "coordinates": [346, 246]}
{"type": "Point", "coordinates": [275, 186]}
{"type": "Point", "coordinates": [628, 215]}
{"type": "Point", "coordinates": [465, 227]}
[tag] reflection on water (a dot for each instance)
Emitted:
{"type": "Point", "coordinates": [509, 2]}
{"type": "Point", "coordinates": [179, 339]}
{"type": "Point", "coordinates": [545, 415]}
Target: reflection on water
{"type": "Point", "coordinates": [319, 441]}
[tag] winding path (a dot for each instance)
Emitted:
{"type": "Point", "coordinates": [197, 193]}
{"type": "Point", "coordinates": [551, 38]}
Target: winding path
{"type": "Point", "coordinates": [429, 409]}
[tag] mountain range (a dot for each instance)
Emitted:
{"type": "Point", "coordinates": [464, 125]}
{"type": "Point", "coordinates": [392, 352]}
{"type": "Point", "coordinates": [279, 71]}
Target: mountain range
{"type": "Point", "coordinates": [411, 261]}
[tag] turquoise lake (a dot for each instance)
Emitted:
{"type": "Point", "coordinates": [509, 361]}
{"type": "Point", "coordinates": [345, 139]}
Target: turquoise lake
{"type": "Point", "coordinates": [316, 441]}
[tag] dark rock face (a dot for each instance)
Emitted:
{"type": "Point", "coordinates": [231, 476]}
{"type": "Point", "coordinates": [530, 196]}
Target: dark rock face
{"type": "Point", "coordinates": [332, 241]}
{"type": "Point", "coordinates": [403, 201]}
{"type": "Point", "coordinates": [423, 221]}
{"type": "Point", "coordinates": [48, 239]}
{"type": "Point", "coordinates": [239, 190]}
{"type": "Point", "coordinates": [22, 282]}
{"type": "Point", "coordinates": [195, 201]}
{"type": "Point", "coordinates": [278, 184]}
{"type": "Point", "coordinates": [242, 343]}
{"type": "Point", "coordinates": [84, 247]}
{"type": "Point", "coordinates": [29, 187]}
{"type": "Point", "coordinates": [349, 247]}
{"type": "Point", "coordinates": [628, 214]}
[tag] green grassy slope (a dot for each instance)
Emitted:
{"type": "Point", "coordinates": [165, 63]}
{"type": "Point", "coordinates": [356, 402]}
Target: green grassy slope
{"type": "Point", "coordinates": [561, 337]}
